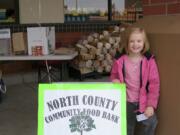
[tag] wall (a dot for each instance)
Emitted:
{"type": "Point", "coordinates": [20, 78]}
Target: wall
{"type": "Point", "coordinates": [69, 38]}
{"type": "Point", "coordinates": [161, 7]}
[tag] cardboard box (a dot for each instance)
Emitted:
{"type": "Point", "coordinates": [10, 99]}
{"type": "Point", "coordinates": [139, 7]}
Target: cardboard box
{"type": "Point", "coordinates": [19, 45]}
{"type": "Point", "coordinates": [41, 40]}
{"type": "Point", "coordinates": [5, 42]}
{"type": "Point", "coordinates": [164, 36]}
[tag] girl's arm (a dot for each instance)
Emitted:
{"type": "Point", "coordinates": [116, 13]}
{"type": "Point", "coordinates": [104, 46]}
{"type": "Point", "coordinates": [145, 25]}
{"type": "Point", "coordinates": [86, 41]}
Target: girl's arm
{"type": "Point", "coordinates": [114, 73]}
{"type": "Point", "coordinates": [154, 85]}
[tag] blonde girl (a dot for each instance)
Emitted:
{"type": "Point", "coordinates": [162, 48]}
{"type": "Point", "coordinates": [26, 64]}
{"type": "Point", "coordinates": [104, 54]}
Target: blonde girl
{"type": "Point", "coordinates": [137, 68]}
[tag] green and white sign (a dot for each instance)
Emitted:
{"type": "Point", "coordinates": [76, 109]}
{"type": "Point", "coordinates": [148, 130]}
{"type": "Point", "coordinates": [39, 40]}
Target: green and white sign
{"type": "Point", "coordinates": [82, 109]}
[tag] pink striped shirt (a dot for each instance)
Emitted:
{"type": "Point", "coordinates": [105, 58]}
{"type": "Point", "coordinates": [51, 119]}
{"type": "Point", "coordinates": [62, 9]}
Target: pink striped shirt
{"type": "Point", "coordinates": [132, 79]}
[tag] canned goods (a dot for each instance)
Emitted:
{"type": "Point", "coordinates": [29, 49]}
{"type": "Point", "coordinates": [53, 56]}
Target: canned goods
{"type": "Point", "coordinates": [37, 50]}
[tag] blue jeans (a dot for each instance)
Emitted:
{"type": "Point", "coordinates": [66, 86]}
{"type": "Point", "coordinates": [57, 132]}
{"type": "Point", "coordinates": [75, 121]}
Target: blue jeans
{"type": "Point", "coordinates": [147, 126]}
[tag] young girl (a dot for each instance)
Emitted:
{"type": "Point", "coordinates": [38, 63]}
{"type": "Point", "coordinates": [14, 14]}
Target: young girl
{"type": "Point", "coordinates": [138, 70]}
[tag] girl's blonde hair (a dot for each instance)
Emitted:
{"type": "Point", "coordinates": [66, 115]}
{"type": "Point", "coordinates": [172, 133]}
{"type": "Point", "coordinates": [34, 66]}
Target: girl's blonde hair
{"type": "Point", "coordinates": [128, 33]}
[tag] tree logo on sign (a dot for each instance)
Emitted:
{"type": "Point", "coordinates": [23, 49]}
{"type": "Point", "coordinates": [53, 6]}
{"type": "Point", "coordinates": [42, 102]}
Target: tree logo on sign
{"type": "Point", "coordinates": [81, 123]}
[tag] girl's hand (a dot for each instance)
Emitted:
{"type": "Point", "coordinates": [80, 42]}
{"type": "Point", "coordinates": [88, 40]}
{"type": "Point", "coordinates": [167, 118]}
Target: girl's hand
{"type": "Point", "coordinates": [149, 111]}
{"type": "Point", "coordinates": [115, 81]}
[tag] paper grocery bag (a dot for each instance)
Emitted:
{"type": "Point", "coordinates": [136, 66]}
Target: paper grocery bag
{"type": "Point", "coordinates": [5, 42]}
{"type": "Point", "coordinates": [41, 40]}
{"type": "Point", "coordinates": [19, 43]}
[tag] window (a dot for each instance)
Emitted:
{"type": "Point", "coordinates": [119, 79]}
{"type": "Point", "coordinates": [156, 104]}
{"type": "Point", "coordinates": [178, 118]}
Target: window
{"type": "Point", "coordinates": [132, 11]}
{"type": "Point", "coordinates": [86, 10]}
{"type": "Point", "coordinates": [96, 10]}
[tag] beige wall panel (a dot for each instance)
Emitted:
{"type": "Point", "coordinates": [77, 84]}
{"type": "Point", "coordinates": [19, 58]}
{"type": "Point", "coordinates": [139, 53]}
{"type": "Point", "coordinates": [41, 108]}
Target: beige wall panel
{"type": "Point", "coordinates": [41, 11]}
{"type": "Point", "coordinates": [28, 11]}
{"type": "Point", "coordinates": [53, 11]}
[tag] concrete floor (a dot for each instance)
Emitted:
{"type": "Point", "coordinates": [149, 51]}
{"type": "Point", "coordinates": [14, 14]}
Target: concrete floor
{"type": "Point", "coordinates": [18, 110]}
